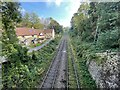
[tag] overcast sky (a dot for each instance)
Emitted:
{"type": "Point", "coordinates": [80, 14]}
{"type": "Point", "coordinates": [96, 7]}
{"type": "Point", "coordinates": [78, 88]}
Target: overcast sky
{"type": "Point", "coordinates": [61, 11]}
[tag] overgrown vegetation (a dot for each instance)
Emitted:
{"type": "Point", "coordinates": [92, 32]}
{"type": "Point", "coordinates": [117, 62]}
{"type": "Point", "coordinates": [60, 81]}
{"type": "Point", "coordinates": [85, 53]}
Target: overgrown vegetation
{"type": "Point", "coordinates": [22, 69]}
{"type": "Point", "coordinates": [94, 29]}
{"type": "Point", "coordinates": [25, 71]}
{"type": "Point", "coordinates": [108, 40]}
{"type": "Point", "coordinates": [93, 24]}
{"type": "Point", "coordinates": [85, 78]}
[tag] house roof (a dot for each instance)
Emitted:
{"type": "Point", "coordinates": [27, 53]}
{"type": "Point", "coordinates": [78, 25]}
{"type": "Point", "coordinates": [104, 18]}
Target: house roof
{"type": "Point", "coordinates": [29, 31]}
{"type": "Point", "coordinates": [48, 31]}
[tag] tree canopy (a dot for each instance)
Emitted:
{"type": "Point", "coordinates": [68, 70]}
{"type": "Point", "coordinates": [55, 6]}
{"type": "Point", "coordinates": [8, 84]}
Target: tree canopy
{"type": "Point", "coordinates": [55, 25]}
{"type": "Point", "coordinates": [10, 17]}
{"type": "Point", "coordinates": [91, 21]}
{"type": "Point", "coordinates": [31, 20]}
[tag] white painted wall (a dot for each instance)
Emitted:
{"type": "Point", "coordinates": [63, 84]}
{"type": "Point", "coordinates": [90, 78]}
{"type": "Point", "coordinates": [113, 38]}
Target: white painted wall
{"type": "Point", "coordinates": [53, 34]}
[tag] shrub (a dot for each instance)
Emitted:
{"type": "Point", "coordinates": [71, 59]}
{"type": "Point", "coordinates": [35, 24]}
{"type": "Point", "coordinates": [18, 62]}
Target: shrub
{"type": "Point", "coordinates": [25, 70]}
{"type": "Point", "coordinates": [108, 40]}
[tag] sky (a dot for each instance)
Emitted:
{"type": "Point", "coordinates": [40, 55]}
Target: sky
{"type": "Point", "coordinates": [61, 11]}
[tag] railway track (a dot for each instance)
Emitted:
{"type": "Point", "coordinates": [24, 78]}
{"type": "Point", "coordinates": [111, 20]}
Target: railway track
{"type": "Point", "coordinates": [62, 72]}
{"type": "Point", "coordinates": [56, 74]}
{"type": "Point", "coordinates": [73, 78]}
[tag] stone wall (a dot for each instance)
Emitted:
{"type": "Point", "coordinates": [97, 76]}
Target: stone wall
{"type": "Point", "coordinates": [106, 74]}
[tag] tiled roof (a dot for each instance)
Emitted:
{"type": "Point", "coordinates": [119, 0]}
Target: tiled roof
{"type": "Point", "coordinates": [29, 31]}
{"type": "Point", "coordinates": [48, 31]}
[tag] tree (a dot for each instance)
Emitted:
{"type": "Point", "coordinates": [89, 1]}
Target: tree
{"type": "Point", "coordinates": [26, 20]}
{"type": "Point", "coordinates": [55, 25]}
{"type": "Point", "coordinates": [92, 20]}
{"type": "Point", "coordinates": [45, 22]}
{"type": "Point", "coordinates": [10, 16]}
{"type": "Point", "coordinates": [31, 20]}
{"type": "Point", "coordinates": [79, 21]}
{"type": "Point", "coordinates": [34, 20]}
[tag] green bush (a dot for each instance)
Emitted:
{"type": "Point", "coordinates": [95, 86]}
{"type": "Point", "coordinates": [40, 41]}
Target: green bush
{"type": "Point", "coordinates": [108, 40]}
{"type": "Point", "coordinates": [83, 50]}
{"type": "Point", "coordinates": [25, 70]}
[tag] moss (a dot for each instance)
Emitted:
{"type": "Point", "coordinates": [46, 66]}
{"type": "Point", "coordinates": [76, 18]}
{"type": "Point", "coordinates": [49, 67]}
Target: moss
{"type": "Point", "coordinates": [97, 58]}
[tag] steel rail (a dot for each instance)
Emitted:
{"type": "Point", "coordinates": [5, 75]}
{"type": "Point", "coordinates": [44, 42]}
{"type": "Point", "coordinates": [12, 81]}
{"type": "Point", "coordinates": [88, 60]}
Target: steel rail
{"type": "Point", "coordinates": [61, 45]}
{"type": "Point", "coordinates": [74, 68]}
